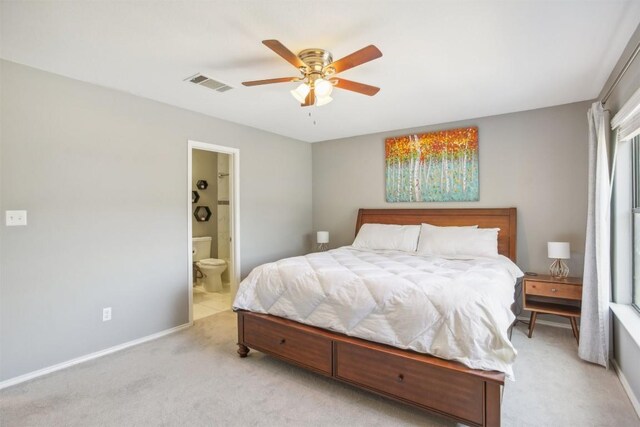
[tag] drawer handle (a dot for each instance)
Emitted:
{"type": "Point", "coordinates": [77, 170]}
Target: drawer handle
{"type": "Point", "coordinates": [282, 341]}
{"type": "Point", "coordinates": [554, 290]}
{"type": "Point", "coordinates": [400, 378]}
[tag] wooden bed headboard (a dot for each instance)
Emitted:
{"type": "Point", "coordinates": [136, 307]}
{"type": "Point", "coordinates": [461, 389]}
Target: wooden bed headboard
{"type": "Point", "coordinates": [502, 218]}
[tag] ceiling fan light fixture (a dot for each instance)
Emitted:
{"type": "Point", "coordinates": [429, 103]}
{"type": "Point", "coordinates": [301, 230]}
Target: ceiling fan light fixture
{"type": "Point", "coordinates": [323, 100]}
{"type": "Point", "coordinates": [317, 70]}
{"type": "Point", "coordinates": [300, 93]}
{"type": "Point", "coordinates": [323, 88]}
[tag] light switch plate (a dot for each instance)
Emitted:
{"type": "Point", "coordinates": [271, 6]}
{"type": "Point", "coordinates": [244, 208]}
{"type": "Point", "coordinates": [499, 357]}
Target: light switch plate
{"type": "Point", "coordinates": [16, 218]}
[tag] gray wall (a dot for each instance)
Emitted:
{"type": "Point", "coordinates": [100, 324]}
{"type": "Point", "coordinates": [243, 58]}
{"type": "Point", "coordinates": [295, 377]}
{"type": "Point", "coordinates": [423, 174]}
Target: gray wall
{"type": "Point", "coordinates": [535, 161]}
{"type": "Point", "coordinates": [626, 351]}
{"type": "Point", "coordinates": [205, 166]}
{"type": "Point", "coordinates": [103, 175]}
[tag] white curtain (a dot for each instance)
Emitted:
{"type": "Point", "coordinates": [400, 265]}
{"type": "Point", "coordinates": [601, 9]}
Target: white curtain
{"type": "Point", "coordinates": [596, 288]}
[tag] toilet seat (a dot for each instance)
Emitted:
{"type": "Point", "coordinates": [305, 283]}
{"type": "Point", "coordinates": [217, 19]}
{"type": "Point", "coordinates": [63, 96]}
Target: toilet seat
{"type": "Point", "coordinates": [211, 262]}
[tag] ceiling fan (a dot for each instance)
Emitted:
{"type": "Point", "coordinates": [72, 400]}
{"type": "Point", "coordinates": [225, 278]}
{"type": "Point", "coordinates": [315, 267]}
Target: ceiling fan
{"type": "Point", "coordinates": [317, 70]}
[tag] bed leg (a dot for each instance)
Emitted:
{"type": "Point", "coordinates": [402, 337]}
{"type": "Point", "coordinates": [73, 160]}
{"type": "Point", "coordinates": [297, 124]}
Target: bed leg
{"type": "Point", "coordinates": [243, 350]}
{"type": "Point", "coordinates": [492, 405]}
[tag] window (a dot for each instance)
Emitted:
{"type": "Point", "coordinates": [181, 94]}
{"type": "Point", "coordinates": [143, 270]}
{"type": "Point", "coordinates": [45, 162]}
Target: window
{"type": "Point", "coordinates": [635, 208]}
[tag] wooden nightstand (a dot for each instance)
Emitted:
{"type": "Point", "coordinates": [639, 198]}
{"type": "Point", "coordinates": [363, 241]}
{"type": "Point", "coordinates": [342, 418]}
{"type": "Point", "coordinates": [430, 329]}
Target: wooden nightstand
{"type": "Point", "coordinates": [562, 297]}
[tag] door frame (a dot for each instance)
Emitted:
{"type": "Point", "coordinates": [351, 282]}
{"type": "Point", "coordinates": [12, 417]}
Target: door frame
{"type": "Point", "coordinates": [234, 213]}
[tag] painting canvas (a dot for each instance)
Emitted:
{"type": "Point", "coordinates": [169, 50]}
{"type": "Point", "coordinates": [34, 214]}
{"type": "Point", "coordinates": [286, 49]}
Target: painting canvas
{"type": "Point", "coordinates": [433, 167]}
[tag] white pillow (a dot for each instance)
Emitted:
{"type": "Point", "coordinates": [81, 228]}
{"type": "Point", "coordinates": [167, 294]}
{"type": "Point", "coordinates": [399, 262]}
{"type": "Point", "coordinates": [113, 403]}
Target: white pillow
{"type": "Point", "coordinates": [458, 241]}
{"type": "Point", "coordinates": [450, 226]}
{"type": "Point", "coordinates": [387, 236]}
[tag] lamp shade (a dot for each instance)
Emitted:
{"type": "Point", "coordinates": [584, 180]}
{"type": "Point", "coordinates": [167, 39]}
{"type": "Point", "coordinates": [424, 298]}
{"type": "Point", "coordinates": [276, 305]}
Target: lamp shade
{"type": "Point", "coordinates": [322, 237]}
{"type": "Point", "coordinates": [323, 100]}
{"type": "Point", "coordinates": [323, 88]}
{"type": "Point", "coordinates": [300, 93]}
{"type": "Point", "coordinates": [559, 250]}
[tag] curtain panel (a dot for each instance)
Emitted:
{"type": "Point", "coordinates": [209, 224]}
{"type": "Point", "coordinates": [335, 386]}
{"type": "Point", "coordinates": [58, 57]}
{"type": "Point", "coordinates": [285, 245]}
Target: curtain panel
{"type": "Point", "coordinates": [596, 289]}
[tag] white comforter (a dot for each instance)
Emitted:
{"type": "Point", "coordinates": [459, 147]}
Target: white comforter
{"type": "Point", "coordinates": [453, 309]}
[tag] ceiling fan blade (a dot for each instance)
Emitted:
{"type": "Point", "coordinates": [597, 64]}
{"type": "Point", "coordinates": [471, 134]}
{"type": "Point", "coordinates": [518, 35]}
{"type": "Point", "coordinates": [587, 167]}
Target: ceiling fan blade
{"type": "Point", "coordinates": [285, 53]}
{"type": "Point", "coordinates": [359, 57]}
{"type": "Point", "coordinates": [311, 99]}
{"type": "Point", "coordinates": [269, 81]}
{"type": "Point", "coordinates": [356, 87]}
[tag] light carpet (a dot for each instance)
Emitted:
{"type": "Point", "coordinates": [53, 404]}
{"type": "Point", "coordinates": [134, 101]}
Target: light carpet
{"type": "Point", "coordinates": [195, 378]}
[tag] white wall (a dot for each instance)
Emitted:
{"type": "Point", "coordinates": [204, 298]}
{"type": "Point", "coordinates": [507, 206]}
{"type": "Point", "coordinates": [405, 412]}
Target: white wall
{"type": "Point", "coordinates": [103, 175]}
{"type": "Point", "coordinates": [534, 160]}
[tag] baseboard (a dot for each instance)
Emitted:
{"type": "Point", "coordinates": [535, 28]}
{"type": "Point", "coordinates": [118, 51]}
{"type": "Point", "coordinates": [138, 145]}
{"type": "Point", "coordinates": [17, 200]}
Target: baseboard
{"type": "Point", "coordinates": [44, 371]}
{"type": "Point", "coordinates": [627, 388]}
{"type": "Point", "coordinates": [546, 322]}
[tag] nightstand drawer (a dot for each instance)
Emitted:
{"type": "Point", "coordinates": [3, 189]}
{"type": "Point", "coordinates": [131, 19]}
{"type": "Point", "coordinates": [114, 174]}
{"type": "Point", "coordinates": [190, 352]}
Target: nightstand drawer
{"type": "Point", "coordinates": [554, 290]}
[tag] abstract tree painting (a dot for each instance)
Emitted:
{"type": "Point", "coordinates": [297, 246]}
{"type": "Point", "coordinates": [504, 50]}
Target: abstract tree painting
{"type": "Point", "coordinates": [433, 167]}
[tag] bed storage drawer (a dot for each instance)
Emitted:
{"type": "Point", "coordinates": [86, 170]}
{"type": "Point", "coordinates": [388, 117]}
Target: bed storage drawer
{"type": "Point", "coordinates": [313, 351]}
{"type": "Point", "coordinates": [408, 379]}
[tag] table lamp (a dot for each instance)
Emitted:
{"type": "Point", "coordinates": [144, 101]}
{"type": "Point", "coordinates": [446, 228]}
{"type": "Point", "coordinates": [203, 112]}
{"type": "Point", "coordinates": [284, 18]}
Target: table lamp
{"type": "Point", "coordinates": [322, 238]}
{"type": "Point", "coordinates": [559, 251]}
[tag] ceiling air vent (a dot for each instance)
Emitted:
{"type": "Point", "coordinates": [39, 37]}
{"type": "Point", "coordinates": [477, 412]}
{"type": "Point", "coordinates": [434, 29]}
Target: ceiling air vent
{"type": "Point", "coordinates": [208, 82]}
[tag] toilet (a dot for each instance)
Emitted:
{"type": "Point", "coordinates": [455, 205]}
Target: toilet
{"type": "Point", "coordinates": [211, 268]}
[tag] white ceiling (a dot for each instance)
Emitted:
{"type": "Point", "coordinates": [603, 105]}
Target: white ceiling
{"type": "Point", "coordinates": [442, 61]}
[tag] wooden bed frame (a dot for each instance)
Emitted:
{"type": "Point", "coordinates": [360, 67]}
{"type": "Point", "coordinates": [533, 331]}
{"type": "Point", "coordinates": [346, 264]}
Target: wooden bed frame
{"type": "Point", "coordinates": [445, 387]}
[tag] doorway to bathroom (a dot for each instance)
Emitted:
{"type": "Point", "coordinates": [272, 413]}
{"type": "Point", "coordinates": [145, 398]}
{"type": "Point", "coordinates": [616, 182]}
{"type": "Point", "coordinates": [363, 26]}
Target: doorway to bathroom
{"type": "Point", "coordinates": [213, 212]}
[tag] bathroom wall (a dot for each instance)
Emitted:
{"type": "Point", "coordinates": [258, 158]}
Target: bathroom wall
{"type": "Point", "coordinates": [223, 215]}
{"type": "Point", "coordinates": [205, 167]}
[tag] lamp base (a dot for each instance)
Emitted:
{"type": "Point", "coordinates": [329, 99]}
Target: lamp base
{"type": "Point", "coordinates": [322, 247]}
{"type": "Point", "coordinates": [559, 269]}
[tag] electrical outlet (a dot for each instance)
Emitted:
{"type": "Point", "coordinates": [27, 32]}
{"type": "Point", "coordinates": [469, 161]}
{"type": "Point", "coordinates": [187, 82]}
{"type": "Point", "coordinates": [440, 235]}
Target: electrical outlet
{"type": "Point", "coordinates": [106, 314]}
{"type": "Point", "coordinates": [16, 218]}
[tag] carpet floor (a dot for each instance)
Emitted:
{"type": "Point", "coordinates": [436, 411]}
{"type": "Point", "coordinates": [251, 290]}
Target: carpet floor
{"type": "Point", "coordinates": [195, 378]}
